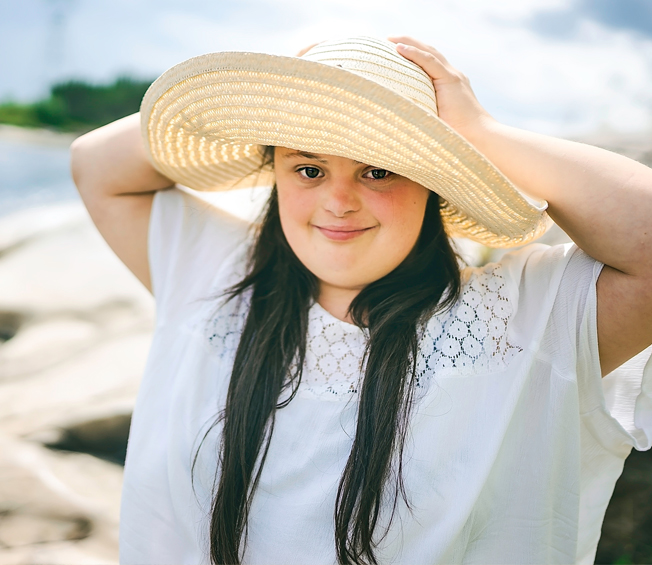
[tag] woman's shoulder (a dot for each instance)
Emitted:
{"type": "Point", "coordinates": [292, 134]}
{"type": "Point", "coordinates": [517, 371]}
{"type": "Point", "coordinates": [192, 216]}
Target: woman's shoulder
{"type": "Point", "coordinates": [186, 212]}
{"type": "Point", "coordinates": [500, 308]}
{"type": "Point", "coordinates": [191, 242]}
{"type": "Point", "coordinates": [533, 272]}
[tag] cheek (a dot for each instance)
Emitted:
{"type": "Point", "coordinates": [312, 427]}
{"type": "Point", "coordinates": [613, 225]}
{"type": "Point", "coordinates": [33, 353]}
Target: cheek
{"type": "Point", "coordinates": [295, 209]}
{"type": "Point", "coordinates": [292, 204]}
{"type": "Point", "coordinates": [401, 214]}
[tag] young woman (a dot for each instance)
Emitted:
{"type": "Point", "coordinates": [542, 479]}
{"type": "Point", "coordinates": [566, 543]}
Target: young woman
{"type": "Point", "coordinates": [332, 387]}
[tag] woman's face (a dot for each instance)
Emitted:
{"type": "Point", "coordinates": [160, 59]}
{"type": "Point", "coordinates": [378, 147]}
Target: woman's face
{"type": "Point", "coordinates": [349, 224]}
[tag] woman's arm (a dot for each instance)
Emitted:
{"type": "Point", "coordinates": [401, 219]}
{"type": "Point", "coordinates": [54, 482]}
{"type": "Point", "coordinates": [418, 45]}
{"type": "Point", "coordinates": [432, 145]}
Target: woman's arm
{"type": "Point", "coordinates": [117, 184]}
{"type": "Point", "coordinates": [601, 199]}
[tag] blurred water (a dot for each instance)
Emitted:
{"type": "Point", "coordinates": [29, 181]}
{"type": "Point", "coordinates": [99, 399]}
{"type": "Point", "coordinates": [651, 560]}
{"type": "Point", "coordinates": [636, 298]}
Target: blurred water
{"type": "Point", "coordinates": [33, 175]}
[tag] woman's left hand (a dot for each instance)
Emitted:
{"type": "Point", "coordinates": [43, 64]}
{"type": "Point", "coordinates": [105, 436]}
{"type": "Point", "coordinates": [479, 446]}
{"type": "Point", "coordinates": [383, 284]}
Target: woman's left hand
{"type": "Point", "coordinates": [602, 200]}
{"type": "Point", "coordinates": [456, 102]}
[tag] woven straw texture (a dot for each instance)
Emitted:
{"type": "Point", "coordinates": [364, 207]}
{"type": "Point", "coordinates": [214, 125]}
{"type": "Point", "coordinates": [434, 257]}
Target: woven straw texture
{"type": "Point", "coordinates": [206, 121]}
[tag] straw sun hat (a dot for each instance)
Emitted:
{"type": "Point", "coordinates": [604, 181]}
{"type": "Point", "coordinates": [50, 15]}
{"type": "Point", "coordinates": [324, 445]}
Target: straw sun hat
{"type": "Point", "coordinates": [206, 120]}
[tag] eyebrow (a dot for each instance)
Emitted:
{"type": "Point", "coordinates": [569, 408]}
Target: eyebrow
{"type": "Point", "coordinates": [305, 155]}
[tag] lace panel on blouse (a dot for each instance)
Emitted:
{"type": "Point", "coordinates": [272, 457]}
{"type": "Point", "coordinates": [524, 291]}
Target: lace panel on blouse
{"type": "Point", "coordinates": [470, 338]}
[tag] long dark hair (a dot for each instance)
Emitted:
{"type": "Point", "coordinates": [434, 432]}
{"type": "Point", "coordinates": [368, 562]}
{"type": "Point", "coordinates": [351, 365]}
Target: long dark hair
{"type": "Point", "coordinates": [269, 362]}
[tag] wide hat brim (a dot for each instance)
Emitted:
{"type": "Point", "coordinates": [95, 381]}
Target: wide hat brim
{"type": "Point", "coordinates": [206, 120]}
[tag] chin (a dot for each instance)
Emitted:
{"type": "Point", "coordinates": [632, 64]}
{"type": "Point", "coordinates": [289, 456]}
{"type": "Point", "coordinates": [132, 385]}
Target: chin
{"type": "Point", "coordinates": [346, 281]}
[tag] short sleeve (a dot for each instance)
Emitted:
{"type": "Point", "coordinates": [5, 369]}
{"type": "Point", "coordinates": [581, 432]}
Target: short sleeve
{"type": "Point", "coordinates": [551, 289]}
{"type": "Point", "coordinates": [628, 398]}
{"type": "Point", "coordinates": [557, 318]}
{"type": "Point", "coordinates": [616, 409]}
{"type": "Point", "coordinates": [189, 243]}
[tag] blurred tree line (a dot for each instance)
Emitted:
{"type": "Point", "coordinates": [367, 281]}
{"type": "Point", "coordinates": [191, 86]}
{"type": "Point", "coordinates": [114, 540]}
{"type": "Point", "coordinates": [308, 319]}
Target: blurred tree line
{"type": "Point", "coordinates": [78, 106]}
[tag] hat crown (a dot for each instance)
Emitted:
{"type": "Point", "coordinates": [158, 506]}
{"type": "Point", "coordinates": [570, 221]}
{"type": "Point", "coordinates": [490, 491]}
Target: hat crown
{"type": "Point", "coordinates": [378, 60]}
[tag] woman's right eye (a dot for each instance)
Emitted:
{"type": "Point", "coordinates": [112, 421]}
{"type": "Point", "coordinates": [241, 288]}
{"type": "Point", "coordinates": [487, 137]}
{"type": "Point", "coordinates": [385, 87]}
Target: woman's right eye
{"type": "Point", "coordinates": [309, 172]}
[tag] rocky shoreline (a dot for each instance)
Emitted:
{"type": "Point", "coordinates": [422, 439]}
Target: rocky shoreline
{"type": "Point", "coordinates": [76, 327]}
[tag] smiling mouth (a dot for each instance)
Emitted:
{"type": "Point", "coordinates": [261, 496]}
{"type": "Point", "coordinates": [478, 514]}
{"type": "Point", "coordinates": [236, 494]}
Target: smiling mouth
{"type": "Point", "coordinates": [342, 234]}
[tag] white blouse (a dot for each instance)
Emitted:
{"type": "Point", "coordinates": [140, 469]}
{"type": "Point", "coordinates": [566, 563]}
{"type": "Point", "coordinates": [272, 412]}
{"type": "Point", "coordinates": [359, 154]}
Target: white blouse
{"type": "Point", "coordinates": [515, 441]}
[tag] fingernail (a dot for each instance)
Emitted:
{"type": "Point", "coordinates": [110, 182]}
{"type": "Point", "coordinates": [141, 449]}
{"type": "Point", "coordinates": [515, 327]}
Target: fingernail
{"type": "Point", "coordinates": [401, 46]}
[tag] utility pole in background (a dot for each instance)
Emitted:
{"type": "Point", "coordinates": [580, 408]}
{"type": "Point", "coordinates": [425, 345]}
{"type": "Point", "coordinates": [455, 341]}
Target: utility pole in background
{"type": "Point", "coordinates": [55, 43]}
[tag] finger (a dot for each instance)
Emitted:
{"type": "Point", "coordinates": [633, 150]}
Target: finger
{"type": "Point", "coordinates": [306, 49]}
{"type": "Point", "coordinates": [430, 63]}
{"type": "Point", "coordinates": [406, 40]}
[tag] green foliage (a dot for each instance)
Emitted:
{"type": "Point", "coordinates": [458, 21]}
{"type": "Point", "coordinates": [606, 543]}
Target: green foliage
{"type": "Point", "coordinates": [624, 560]}
{"type": "Point", "coordinates": [78, 106]}
{"type": "Point", "coordinates": [18, 115]}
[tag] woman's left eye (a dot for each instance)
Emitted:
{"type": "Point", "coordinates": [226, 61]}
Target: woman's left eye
{"type": "Point", "coordinates": [309, 172]}
{"type": "Point", "coordinates": [377, 174]}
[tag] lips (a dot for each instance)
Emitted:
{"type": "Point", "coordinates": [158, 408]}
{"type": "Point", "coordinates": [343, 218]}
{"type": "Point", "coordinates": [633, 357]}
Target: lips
{"type": "Point", "coordinates": [342, 233]}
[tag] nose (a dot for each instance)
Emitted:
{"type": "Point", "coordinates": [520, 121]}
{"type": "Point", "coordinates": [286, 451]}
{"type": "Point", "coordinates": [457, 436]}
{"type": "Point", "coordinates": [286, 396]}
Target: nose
{"type": "Point", "coordinates": [341, 198]}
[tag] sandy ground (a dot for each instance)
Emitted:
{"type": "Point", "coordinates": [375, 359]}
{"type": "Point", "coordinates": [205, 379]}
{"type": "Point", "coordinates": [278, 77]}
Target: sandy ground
{"type": "Point", "coordinates": [36, 136]}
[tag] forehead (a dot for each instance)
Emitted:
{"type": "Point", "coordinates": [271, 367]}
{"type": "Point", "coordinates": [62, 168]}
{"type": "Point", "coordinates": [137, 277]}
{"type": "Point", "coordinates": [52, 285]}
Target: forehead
{"type": "Point", "coordinates": [285, 153]}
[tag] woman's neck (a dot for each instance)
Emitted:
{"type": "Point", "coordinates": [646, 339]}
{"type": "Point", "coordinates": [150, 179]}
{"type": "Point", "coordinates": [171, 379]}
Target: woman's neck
{"type": "Point", "coordinates": [336, 300]}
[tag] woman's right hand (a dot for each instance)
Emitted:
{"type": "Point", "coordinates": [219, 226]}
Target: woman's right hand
{"type": "Point", "coordinates": [303, 51]}
{"type": "Point", "coordinates": [117, 184]}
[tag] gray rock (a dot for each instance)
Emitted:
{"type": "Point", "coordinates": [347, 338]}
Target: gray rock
{"type": "Point", "coordinates": [75, 328]}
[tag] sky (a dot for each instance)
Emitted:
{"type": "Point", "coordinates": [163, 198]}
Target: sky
{"type": "Point", "coordinates": [566, 67]}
